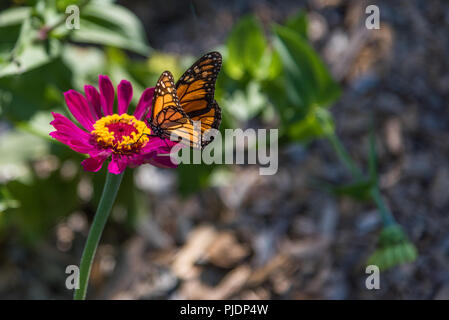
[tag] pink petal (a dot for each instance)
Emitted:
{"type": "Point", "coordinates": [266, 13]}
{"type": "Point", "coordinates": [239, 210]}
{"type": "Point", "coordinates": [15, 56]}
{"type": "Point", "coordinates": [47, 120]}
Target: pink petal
{"type": "Point", "coordinates": [107, 94]}
{"type": "Point", "coordinates": [80, 146]}
{"type": "Point", "coordinates": [144, 103]}
{"type": "Point", "coordinates": [63, 124]}
{"type": "Point", "coordinates": [67, 130]}
{"type": "Point", "coordinates": [135, 161]}
{"type": "Point", "coordinates": [79, 107]}
{"type": "Point", "coordinates": [117, 164]}
{"type": "Point", "coordinates": [93, 164]}
{"type": "Point", "coordinates": [94, 99]}
{"type": "Point", "coordinates": [124, 96]}
{"type": "Point", "coordinates": [100, 152]}
{"type": "Point", "coordinates": [76, 145]}
{"type": "Point", "coordinates": [157, 153]}
{"type": "Point", "coordinates": [60, 137]}
{"type": "Point", "coordinates": [157, 145]}
{"type": "Point", "coordinates": [162, 161]}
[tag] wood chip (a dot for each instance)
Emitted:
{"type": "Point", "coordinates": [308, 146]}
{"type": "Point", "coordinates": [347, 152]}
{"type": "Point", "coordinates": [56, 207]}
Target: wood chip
{"type": "Point", "coordinates": [197, 243]}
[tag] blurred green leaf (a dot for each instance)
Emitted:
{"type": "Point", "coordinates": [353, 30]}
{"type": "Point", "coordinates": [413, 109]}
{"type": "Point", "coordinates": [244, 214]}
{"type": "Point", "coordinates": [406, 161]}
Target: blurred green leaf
{"type": "Point", "coordinates": [9, 36]}
{"type": "Point", "coordinates": [275, 66]}
{"type": "Point", "coordinates": [304, 69]}
{"type": "Point", "coordinates": [119, 68]}
{"type": "Point", "coordinates": [393, 249]}
{"type": "Point", "coordinates": [158, 62]}
{"type": "Point", "coordinates": [244, 105]}
{"type": "Point", "coordinates": [6, 200]}
{"type": "Point", "coordinates": [18, 147]}
{"type": "Point", "coordinates": [22, 96]}
{"type": "Point", "coordinates": [111, 25]}
{"type": "Point", "coordinates": [28, 53]}
{"type": "Point", "coordinates": [39, 125]}
{"type": "Point", "coordinates": [246, 46]}
{"type": "Point", "coordinates": [43, 201]}
{"type": "Point", "coordinates": [61, 5]}
{"type": "Point", "coordinates": [298, 23]}
{"type": "Point", "coordinates": [316, 123]}
{"type": "Point", "coordinates": [32, 56]}
{"type": "Point", "coordinates": [17, 150]}
{"type": "Point", "coordinates": [86, 63]}
{"type": "Point", "coordinates": [14, 16]}
{"type": "Point", "coordinates": [270, 66]}
{"type": "Point", "coordinates": [359, 190]}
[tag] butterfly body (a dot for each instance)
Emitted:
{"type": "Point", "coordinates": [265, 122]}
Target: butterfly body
{"type": "Point", "coordinates": [177, 106]}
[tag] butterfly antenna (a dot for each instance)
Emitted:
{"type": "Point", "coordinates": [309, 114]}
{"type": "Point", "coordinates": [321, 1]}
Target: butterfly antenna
{"type": "Point", "coordinates": [143, 134]}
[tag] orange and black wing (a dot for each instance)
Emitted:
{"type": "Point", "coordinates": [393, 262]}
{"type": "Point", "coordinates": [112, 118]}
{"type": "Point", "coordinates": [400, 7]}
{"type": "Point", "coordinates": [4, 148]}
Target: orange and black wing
{"type": "Point", "coordinates": [195, 90]}
{"type": "Point", "coordinates": [168, 117]}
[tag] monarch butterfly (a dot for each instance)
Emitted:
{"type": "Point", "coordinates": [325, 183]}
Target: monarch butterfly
{"type": "Point", "coordinates": [176, 106]}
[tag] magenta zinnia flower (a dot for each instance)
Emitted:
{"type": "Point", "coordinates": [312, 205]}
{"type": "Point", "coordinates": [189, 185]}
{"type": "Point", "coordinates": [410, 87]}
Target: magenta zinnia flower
{"type": "Point", "coordinates": [119, 136]}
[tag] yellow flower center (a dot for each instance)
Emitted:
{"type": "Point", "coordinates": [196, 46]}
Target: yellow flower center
{"type": "Point", "coordinates": [124, 133]}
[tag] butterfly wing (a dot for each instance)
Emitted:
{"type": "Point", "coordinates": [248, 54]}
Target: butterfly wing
{"type": "Point", "coordinates": [195, 90]}
{"type": "Point", "coordinates": [167, 117]}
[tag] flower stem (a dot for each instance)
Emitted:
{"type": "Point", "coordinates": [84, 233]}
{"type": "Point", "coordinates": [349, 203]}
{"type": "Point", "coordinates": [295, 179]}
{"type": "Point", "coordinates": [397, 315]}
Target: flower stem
{"type": "Point", "coordinates": [387, 217]}
{"type": "Point", "coordinates": [385, 213]}
{"type": "Point", "coordinates": [101, 216]}
{"type": "Point", "coordinates": [344, 156]}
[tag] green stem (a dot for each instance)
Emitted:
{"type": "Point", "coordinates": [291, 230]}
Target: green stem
{"type": "Point", "coordinates": [345, 158]}
{"type": "Point", "coordinates": [385, 213]}
{"type": "Point", "coordinates": [101, 216]}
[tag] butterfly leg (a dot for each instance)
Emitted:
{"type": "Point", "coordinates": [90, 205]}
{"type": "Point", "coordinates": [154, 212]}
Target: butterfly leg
{"type": "Point", "coordinates": [143, 134]}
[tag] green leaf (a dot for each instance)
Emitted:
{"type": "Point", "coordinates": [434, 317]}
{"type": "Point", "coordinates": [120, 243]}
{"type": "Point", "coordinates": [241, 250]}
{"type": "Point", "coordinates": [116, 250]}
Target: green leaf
{"type": "Point", "coordinates": [43, 201]}
{"type": "Point", "coordinates": [17, 149]}
{"type": "Point", "coordinates": [298, 23]}
{"type": "Point", "coordinates": [393, 249]}
{"type": "Point", "coordinates": [270, 66]}
{"type": "Point", "coordinates": [244, 105]}
{"type": "Point", "coordinates": [159, 62]}
{"type": "Point", "coordinates": [86, 63]}
{"type": "Point", "coordinates": [318, 122]}
{"type": "Point", "coordinates": [359, 190]}
{"type": "Point", "coordinates": [8, 36]}
{"type": "Point", "coordinates": [61, 5]}
{"type": "Point", "coordinates": [6, 200]}
{"type": "Point", "coordinates": [111, 25]}
{"type": "Point", "coordinates": [14, 16]}
{"type": "Point", "coordinates": [304, 69]}
{"type": "Point", "coordinates": [39, 125]}
{"type": "Point", "coordinates": [32, 56]}
{"type": "Point", "coordinates": [29, 53]}
{"type": "Point", "coordinates": [246, 46]}
{"type": "Point", "coordinates": [36, 90]}
{"type": "Point", "coordinates": [275, 66]}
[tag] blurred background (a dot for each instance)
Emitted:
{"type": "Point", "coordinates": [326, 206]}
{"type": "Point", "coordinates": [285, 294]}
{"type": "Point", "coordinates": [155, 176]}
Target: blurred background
{"type": "Point", "coordinates": [308, 68]}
